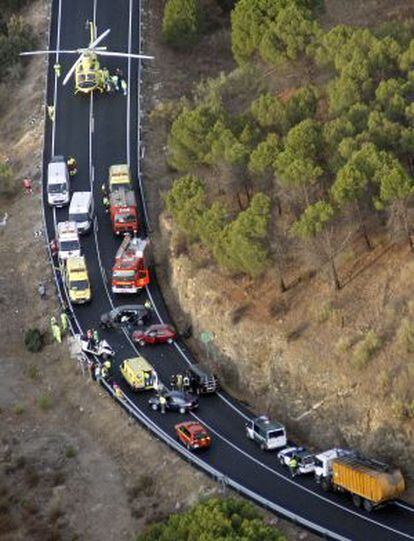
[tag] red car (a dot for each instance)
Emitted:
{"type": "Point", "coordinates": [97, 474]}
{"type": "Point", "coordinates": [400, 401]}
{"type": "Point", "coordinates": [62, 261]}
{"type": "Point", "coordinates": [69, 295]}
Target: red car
{"type": "Point", "coordinates": [193, 435]}
{"type": "Point", "coordinates": [155, 334]}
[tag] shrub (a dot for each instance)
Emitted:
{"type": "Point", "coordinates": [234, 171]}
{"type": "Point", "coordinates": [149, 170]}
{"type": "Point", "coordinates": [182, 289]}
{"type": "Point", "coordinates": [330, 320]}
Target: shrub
{"type": "Point", "coordinates": [33, 340]}
{"type": "Point", "coordinates": [7, 181]}
{"type": "Point", "coordinates": [182, 23]}
{"type": "Point", "coordinates": [44, 402]}
{"type": "Point", "coordinates": [405, 335]}
{"type": "Point", "coordinates": [15, 38]}
{"type": "Point", "coordinates": [18, 409]}
{"type": "Point", "coordinates": [365, 349]}
{"type": "Point", "coordinates": [228, 519]}
{"type": "Point", "coordinates": [70, 452]}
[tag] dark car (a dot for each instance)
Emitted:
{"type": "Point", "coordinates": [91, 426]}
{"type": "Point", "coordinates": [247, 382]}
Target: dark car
{"type": "Point", "coordinates": [128, 314]}
{"type": "Point", "coordinates": [175, 401]}
{"type": "Point", "coordinates": [155, 334]}
{"type": "Point", "coordinates": [202, 381]}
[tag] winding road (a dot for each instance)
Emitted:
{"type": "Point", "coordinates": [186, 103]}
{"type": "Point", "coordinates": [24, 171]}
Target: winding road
{"type": "Point", "coordinates": [103, 130]}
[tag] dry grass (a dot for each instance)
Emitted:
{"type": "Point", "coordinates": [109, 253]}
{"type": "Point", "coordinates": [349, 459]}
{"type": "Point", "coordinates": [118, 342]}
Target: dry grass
{"type": "Point", "coordinates": [365, 349]}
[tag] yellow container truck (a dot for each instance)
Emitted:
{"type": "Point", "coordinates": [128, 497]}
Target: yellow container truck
{"type": "Point", "coordinates": [370, 483]}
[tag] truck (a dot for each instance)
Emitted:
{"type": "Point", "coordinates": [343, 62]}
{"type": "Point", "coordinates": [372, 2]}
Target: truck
{"type": "Point", "coordinates": [119, 177]}
{"type": "Point", "coordinates": [68, 240]}
{"type": "Point", "coordinates": [123, 211]}
{"type": "Point", "coordinates": [77, 280]}
{"type": "Point", "coordinates": [371, 484]}
{"type": "Point", "coordinates": [130, 272]}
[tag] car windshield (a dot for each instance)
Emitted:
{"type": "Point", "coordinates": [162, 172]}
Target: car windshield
{"type": "Point", "coordinates": [79, 285]}
{"type": "Point", "coordinates": [124, 275]}
{"type": "Point", "coordinates": [57, 188]}
{"type": "Point", "coordinates": [81, 217]}
{"type": "Point", "coordinates": [69, 245]}
{"type": "Point", "coordinates": [308, 460]}
{"type": "Point", "coordinates": [124, 218]}
{"type": "Point", "coordinates": [275, 434]}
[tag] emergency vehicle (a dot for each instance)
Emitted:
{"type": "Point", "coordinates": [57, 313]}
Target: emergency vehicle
{"type": "Point", "coordinates": [139, 374]}
{"type": "Point", "coordinates": [58, 184]}
{"type": "Point", "coordinates": [77, 280]}
{"type": "Point", "coordinates": [123, 211]}
{"type": "Point", "coordinates": [130, 272]}
{"type": "Point", "coordinates": [68, 240]}
{"type": "Point", "coordinates": [119, 177]}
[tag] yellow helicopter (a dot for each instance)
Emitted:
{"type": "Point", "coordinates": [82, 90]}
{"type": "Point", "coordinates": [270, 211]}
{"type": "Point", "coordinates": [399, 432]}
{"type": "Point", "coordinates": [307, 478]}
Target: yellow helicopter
{"type": "Point", "coordinates": [89, 76]}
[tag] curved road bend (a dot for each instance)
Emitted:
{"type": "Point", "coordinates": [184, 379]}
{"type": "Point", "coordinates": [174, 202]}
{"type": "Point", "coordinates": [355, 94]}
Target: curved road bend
{"type": "Point", "coordinates": [100, 131]}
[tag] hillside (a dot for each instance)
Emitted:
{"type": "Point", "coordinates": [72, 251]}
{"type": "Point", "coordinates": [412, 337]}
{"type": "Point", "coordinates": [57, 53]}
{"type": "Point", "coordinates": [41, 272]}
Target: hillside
{"type": "Point", "coordinates": [329, 350]}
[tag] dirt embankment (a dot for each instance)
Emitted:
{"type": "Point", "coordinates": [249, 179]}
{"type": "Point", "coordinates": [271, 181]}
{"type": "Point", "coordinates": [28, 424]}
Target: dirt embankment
{"type": "Point", "coordinates": [337, 368]}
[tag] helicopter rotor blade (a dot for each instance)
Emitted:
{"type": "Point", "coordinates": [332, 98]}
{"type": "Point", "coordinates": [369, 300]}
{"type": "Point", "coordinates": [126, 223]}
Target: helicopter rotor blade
{"type": "Point", "coordinates": [72, 70]}
{"type": "Point", "coordinates": [99, 39]}
{"type": "Point", "coordinates": [30, 53]}
{"type": "Point", "coordinates": [125, 55]}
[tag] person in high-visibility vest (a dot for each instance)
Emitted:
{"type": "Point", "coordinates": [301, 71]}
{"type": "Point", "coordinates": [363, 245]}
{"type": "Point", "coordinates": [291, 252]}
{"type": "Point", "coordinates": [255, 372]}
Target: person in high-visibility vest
{"type": "Point", "coordinates": [293, 466]}
{"type": "Point", "coordinates": [51, 112]}
{"type": "Point", "coordinates": [64, 322]}
{"type": "Point", "coordinates": [72, 166]}
{"type": "Point", "coordinates": [58, 69]}
{"type": "Point", "coordinates": [55, 330]}
{"type": "Point", "coordinates": [118, 391]}
{"type": "Point", "coordinates": [106, 203]}
{"type": "Point", "coordinates": [163, 402]}
{"type": "Point", "coordinates": [148, 305]}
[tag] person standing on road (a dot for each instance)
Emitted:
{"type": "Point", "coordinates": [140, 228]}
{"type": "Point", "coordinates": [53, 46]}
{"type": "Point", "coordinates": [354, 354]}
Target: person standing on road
{"type": "Point", "coordinates": [51, 112]}
{"type": "Point", "coordinates": [58, 69]}
{"type": "Point", "coordinates": [106, 203]}
{"type": "Point", "coordinates": [163, 402]}
{"type": "Point", "coordinates": [124, 86]}
{"type": "Point", "coordinates": [293, 466]}
{"type": "Point", "coordinates": [179, 382]}
{"type": "Point", "coordinates": [115, 82]}
{"type": "Point", "coordinates": [147, 305]}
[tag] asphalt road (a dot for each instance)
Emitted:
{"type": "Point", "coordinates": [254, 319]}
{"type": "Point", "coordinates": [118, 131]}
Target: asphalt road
{"type": "Point", "coordinates": [100, 131]}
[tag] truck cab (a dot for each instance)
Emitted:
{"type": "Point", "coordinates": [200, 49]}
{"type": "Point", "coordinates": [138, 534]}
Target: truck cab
{"type": "Point", "coordinates": [81, 210]}
{"type": "Point", "coordinates": [323, 464]}
{"type": "Point", "coordinates": [268, 434]}
{"type": "Point", "coordinates": [68, 240]}
{"type": "Point", "coordinates": [77, 280]}
{"type": "Point", "coordinates": [58, 185]}
{"type": "Point", "coordinates": [119, 177]}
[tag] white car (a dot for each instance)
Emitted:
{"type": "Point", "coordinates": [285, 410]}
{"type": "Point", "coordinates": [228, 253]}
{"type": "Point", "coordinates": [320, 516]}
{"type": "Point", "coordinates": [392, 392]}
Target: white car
{"type": "Point", "coordinates": [305, 459]}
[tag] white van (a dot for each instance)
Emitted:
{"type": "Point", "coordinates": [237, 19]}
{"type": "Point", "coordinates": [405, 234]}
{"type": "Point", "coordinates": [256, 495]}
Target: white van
{"type": "Point", "coordinates": [57, 182]}
{"type": "Point", "coordinates": [81, 211]}
{"type": "Point", "coordinates": [68, 240]}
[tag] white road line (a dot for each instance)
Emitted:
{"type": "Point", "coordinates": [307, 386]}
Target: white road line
{"type": "Point", "coordinates": [56, 78]}
{"type": "Point", "coordinates": [407, 507]}
{"type": "Point", "coordinates": [309, 491]}
{"type": "Point", "coordinates": [128, 120]}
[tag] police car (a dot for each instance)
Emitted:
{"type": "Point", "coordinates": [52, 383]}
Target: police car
{"type": "Point", "coordinates": [305, 459]}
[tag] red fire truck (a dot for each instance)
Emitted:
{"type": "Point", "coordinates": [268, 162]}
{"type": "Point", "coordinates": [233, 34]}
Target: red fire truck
{"type": "Point", "coordinates": [123, 210]}
{"type": "Point", "coordinates": [130, 272]}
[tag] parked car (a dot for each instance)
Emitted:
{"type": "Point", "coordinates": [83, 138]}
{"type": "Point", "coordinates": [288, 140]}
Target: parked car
{"type": "Point", "coordinates": [155, 334]}
{"type": "Point", "coordinates": [193, 435]}
{"type": "Point", "coordinates": [127, 314]}
{"type": "Point", "coordinates": [175, 401]}
{"type": "Point", "coordinates": [201, 381]}
{"type": "Point", "coordinates": [305, 459]}
{"type": "Point", "coordinates": [269, 434]}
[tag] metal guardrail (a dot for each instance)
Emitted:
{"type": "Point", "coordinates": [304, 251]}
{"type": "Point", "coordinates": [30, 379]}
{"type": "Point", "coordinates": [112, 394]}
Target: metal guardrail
{"type": "Point", "coordinates": [132, 409]}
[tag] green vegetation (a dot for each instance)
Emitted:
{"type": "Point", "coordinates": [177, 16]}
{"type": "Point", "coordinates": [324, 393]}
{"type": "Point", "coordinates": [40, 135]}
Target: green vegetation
{"type": "Point", "coordinates": [15, 36]}
{"type": "Point", "coordinates": [7, 180]}
{"type": "Point", "coordinates": [70, 452]}
{"type": "Point", "coordinates": [33, 340]}
{"type": "Point", "coordinates": [327, 162]}
{"type": "Point", "coordinates": [182, 23]}
{"type": "Point", "coordinates": [44, 402]}
{"type": "Point", "coordinates": [212, 520]}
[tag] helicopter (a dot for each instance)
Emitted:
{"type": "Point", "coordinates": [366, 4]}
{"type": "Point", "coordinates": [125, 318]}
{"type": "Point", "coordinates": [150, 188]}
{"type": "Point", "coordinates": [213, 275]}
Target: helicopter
{"type": "Point", "coordinates": [89, 76]}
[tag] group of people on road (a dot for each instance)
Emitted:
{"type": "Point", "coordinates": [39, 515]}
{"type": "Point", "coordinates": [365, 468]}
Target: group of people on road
{"type": "Point", "coordinates": [58, 331]}
{"type": "Point", "coordinates": [114, 83]}
{"type": "Point", "coordinates": [180, 382]}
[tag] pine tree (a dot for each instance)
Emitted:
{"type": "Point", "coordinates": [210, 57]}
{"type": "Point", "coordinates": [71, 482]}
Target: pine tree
{"type": "Point", "coordinates": [182, 23]}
